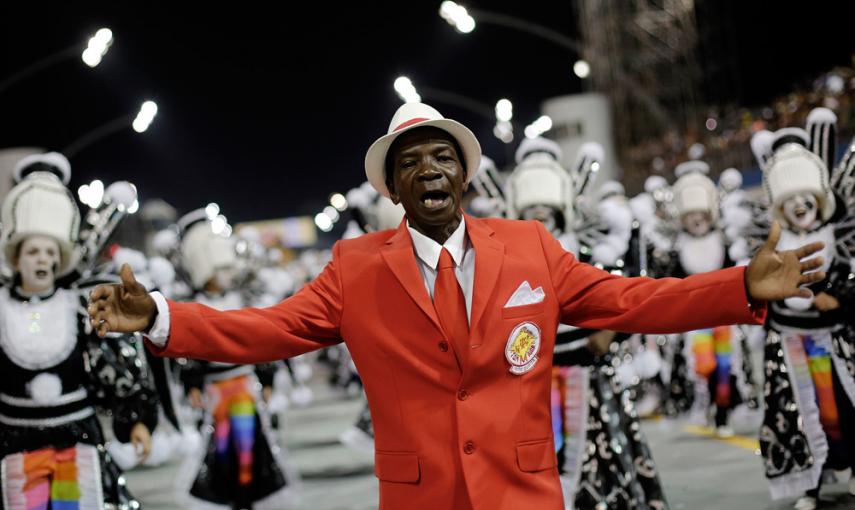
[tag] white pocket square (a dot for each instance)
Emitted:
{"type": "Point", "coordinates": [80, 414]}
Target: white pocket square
{"type": "Point", "coordinates": [524, 295]}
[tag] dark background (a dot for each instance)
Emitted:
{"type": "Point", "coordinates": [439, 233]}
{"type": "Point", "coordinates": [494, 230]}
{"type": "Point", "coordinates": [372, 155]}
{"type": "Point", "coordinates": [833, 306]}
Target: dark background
{"type": "Point", "coordinates": [268, 108]}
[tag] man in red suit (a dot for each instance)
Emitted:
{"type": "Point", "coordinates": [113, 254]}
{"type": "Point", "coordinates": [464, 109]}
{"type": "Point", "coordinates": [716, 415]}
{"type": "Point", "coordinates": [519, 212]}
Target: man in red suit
{"type": "Point", "coordinates": [451, 322]}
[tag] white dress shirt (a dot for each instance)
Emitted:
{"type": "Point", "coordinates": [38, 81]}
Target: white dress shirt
{"type": "Point", "coordinates": [427, 255]}
{"type": "Point", "coordinates": [458, 245]}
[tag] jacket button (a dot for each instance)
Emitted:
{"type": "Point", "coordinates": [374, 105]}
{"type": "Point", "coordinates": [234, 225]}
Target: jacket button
{"type": "Point", "coordinates": [469, 448]}
{"type": "Point", "coordinates": [443, 346]}
{"type": "Point", "coordinates": [462, 395]}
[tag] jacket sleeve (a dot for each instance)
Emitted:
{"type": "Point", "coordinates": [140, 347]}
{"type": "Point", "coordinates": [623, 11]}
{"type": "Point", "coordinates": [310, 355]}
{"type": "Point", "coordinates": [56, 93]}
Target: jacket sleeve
{"type": "Point", "coordinates": [307, 321]}
{"type": "Point", "coordinates": [592, 298]}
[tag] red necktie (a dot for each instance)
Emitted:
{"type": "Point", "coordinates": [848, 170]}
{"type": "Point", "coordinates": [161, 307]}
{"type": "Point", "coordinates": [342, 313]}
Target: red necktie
{"type": "Point", "coordinates": [450, 304]}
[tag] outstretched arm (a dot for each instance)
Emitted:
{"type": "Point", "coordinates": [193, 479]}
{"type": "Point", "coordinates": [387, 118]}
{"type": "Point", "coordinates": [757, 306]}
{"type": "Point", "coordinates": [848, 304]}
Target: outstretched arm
{"type": "Point", "coordinates": [593, 298]}
{"type": "Point", "coordinates": [307, 321]}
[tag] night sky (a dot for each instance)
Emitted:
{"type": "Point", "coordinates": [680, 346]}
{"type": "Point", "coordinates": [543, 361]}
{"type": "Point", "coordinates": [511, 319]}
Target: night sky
{"type": "Point", "coordinates": [269, 113]}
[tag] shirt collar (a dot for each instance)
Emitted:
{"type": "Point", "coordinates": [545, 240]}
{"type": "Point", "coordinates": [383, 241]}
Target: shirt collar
{"type": "Point", "coordinates": [428, 250]}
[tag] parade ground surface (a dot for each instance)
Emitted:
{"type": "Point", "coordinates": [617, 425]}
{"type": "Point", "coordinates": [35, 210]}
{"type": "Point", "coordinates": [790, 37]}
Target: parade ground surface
{"type": "Point", "coordinates": [699, 472]}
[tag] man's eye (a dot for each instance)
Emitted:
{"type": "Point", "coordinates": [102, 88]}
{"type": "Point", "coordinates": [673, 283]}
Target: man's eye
{"type": "Point", "coordinates": [407, 163]}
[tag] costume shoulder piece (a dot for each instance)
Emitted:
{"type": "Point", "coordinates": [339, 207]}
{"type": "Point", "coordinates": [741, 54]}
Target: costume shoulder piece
{"type": "Point", "coordinates": [843, 184]}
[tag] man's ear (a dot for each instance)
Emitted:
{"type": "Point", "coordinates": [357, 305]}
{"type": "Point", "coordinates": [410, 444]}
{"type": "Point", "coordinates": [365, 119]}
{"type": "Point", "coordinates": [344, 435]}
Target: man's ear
{"type": "Point", "coordinates": [393, 195]}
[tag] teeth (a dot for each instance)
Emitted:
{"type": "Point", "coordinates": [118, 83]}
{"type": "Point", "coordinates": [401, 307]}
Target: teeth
{"type": "Point", "coordinates": [431, 202]}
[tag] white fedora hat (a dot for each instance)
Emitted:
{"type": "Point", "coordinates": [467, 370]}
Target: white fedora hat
{"type": "Point", "coordinates": [410, 116]}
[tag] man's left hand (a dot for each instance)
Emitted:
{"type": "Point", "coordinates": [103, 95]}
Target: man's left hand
{"type": "Point", "coordinates": [775, 275]}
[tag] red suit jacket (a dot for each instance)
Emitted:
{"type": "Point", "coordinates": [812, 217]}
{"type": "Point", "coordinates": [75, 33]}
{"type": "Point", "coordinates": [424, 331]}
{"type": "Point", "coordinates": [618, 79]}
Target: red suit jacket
{"type": "Point", "coordinates": [448, 424]}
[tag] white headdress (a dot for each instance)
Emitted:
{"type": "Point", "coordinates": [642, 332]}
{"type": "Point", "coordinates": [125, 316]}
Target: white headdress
{"type": "Point", "coordinates": [539, 180]}
{"type": "Point", "coordinates": [40, 205]}
{"type": "Point", "coordinates": [52, 162]}
{"type": "Point", "coordinates": [730, 180]}
{"type": "Point", "coordinates": [539, 144]}
{"type": "Point", "coordinates": [793, 169]}
{"type": "Point", "coordinates": [694, 191]}
{"type": "Point", "coordinates": [203, 251]}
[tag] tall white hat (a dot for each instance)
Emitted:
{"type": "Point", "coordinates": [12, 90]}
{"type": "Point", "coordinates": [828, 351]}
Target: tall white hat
{"type": "Point", "coordinates": [52, 162]}
{"type": "Point", "coordinates": [730, 179]}
{"type": "Point", "coordinates": [655, 182]}
{"type": "Point", "coordinates": [695, 192]}
{"type": "Point", "coordinates": [793, 169]}
{"type": "Point", "coordinates": [695, 165]}
{"type": "Point", "coordinates": [538, 144]}
{"type": "Point", "coordinates": [41, 205]}
{"type": "Point", "coordinates": [611, 188]}
{"type": "Point", "coordinates": [539, 180]}
{"type": "Point", "coordinates": [203, 251]}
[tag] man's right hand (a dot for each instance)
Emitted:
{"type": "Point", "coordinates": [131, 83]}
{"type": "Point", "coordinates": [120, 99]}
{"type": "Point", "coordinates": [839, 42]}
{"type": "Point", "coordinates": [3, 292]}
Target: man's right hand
{"type": "Point", "coordinates": [121, 308]}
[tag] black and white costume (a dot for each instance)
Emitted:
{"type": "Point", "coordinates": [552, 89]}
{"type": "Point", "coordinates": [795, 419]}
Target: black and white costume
{"type": "Point", "coordinates": [604, 458]}
{"type": "Point", "coordinates": [809, 354]}
{"type": "Point", "coordinates": [707, 367]}
{"type": "Point", "coordinates": [55, 370]}
{"type": "Point", "coordinates": [240, 463]}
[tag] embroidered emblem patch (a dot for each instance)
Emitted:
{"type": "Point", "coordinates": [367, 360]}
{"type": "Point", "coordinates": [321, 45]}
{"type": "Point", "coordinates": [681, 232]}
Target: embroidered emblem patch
{"type": "Point", "coordinates": [523, 347]}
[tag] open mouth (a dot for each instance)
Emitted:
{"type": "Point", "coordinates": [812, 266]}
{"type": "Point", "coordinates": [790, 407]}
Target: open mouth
{"type": "Point", "coordinates": [435, 199]}
{"type": "Point", "coordinates": [41, 273]}
{"type": "Point", "coordinates": [800, 213]}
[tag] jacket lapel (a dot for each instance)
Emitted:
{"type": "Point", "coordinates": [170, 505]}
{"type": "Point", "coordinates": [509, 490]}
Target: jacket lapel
{"type": "Point", "coordinates": [489, 256]}
{"type": "Point", "coordinates": [399, 255]}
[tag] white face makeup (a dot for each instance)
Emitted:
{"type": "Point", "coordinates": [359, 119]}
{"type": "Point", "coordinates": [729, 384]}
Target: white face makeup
{"type": "Point", "coordinates": [697, 223]}
{"type": "Point", "coordinates": [38, 259]}
{"type": "Point", "coordinates": [543, 214]}
{"type": "Point", "coordinates": [801, 211]}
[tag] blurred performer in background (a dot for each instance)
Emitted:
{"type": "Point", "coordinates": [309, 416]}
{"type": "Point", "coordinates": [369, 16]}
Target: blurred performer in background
{"type": "Point", "coordinates": [240, 464]}
{"type": "Point", "coordinates": [171, 440]}
{"type": "Point", "coordinates": [489, 193]}
{"type": "Point", "coordinates": [709, 366]}
{"type": "Point", "coordinates": [809, 424]}
{"type": "Point", "coordinates": [653, 362]}
{"type": "Point", "coordinates": [54, 370]}
{"type": "Point", "coordinates": [591, 409]}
